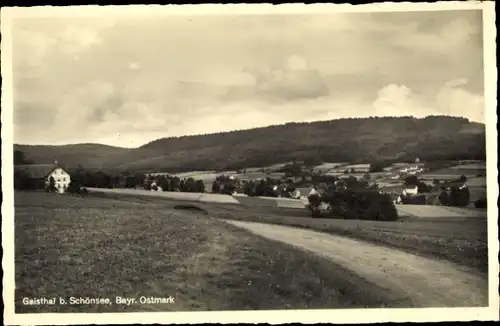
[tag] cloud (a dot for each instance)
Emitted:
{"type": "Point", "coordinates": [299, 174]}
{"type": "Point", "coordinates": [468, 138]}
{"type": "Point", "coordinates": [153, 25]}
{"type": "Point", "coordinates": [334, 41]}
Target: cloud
{"type": "Point", "coordinates": [291, 80]}
{"type": "Point", "coordinates": [446, 39]}
{"type": "Point", "coordinates": [95, 78]}
{"type": "Point", "coordinates": [398, 100]}
{"type": "Point", "coordinates": [451, 99]}
{"type": "Point", "coordinates": [454, 99]}
{"type": "Point", "coordinates": [133, 66]}
{"type": "Point", "coordinates": [74, 39]}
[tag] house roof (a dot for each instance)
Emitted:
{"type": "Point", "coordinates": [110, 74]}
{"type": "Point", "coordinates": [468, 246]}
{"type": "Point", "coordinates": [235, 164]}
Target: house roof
{"type": "Point", "coordinates": [36, 171]}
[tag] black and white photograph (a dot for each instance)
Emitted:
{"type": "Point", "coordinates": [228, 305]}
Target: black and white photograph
{"type": "Point", "coordinates": [250, 163]}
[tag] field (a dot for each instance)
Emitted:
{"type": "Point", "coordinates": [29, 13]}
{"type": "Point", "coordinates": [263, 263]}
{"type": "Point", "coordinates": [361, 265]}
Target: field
{"type": "Point", "coordinates": [325, 167]}
{"type": "Point", "coordinates": [130, 246]}
{"type": "Point", "coordinates": [471, 166]}
{"type": "Point", "coordinates": [462, 240]}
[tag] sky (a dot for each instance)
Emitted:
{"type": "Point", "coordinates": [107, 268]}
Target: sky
{"type": "Point", "coordinates": [128, 81]}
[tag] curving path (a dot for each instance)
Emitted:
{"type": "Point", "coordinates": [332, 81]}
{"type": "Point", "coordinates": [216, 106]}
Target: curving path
{"type": "Point", "coordinates": [426, 282]}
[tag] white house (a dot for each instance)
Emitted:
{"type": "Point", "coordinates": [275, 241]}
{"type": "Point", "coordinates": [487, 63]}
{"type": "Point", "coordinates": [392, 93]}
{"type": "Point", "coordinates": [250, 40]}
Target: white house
{"type": "Point", "coordinates": [296, 194]}
{"type": "Point", "coordinates": [61, 179]}
{"type": "Point", "coordinates": [42, 173]}
{"type": "Point", "coordinates": [410, 191]}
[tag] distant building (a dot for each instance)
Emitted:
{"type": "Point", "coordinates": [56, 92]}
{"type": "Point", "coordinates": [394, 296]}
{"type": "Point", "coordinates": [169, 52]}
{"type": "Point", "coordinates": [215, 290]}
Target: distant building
{"type": "Point", "coordinates": [410, 191]}
{"type": "Point", "coordinates": [388, 168]}
{"type": "Point", "coordinates": [41, 174]}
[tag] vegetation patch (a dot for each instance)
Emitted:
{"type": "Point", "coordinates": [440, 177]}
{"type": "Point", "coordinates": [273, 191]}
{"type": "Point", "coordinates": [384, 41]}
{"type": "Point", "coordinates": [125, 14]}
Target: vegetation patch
{"type": "Point", "coordinates": [104, 247]}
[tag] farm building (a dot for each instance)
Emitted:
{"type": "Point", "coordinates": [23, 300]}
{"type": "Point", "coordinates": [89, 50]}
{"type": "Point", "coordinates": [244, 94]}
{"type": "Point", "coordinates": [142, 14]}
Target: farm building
{"type": "Point", "coordinates": [41, 174]}
{"type": "Point", "coordinates": [410, 191]}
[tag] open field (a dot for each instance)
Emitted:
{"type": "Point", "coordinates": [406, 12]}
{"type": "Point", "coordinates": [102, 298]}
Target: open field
{"type": "Point", "coordinates": [470, 166]}
{"type": "Point", "coordinates": [477, 193]}
{"type": "Point", "coordinates": [184, 196]}
{"type": "Point", "coordinates": [469, 173]}
{"type": "Point", "coordinates": [477, 182]}
{"type": "Point", "coordinates": [460, 239]}
{"type": "Point", "coordinates": [429, 211]}
{"type": "Point", "coordinates": [196, 174]}
{"type": "Point", "coordinates": [325, 167]}
{"type": "Point", "coordinates": [108, 245]}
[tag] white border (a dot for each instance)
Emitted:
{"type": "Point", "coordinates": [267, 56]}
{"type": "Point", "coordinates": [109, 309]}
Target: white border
{"type": "Point", "coordinates": [271, 317]}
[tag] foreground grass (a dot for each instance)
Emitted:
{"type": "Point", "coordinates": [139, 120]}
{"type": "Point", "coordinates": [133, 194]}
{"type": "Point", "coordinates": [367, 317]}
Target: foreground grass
{"type": "Point", "coordinates": [459, 240]}
{"type": "Point", "coordinates": [106, 247]}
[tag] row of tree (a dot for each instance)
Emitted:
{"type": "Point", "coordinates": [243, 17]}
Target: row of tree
{"type": "Point", "coordinates": [173, 183]}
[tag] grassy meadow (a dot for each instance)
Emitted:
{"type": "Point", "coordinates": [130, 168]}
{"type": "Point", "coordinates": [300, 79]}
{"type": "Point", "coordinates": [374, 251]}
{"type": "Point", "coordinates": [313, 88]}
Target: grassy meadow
{"type": "Point", "coordinates": [113, 245]}
{"type": "Point", "coordinates": [462, 240]}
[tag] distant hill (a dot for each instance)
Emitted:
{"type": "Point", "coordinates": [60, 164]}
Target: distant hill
{"type": "Point", "coordinates": [347, 140]}
{"type": "Point", "coordinates": [87, 155]}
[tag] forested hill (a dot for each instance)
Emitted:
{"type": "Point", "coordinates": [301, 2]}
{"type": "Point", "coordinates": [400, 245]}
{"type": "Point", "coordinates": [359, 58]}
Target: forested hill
{"type": "Point", "coordinates": [351, 140]}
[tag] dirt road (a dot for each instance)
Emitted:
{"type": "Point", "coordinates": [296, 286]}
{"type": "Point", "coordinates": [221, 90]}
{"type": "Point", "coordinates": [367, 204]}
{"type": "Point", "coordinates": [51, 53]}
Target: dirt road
{"type": "Point", "coordinates": [427, 283]}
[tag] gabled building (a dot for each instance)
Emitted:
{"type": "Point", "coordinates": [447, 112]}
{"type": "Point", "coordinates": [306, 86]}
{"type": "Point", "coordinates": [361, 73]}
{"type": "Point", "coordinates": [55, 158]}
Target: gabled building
{"type": "Point", "coordinates": [42, 173]}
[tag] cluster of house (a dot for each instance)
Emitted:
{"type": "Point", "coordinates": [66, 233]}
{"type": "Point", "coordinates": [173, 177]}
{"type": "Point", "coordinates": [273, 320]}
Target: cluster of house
{"type": "Point", "coordinates": [412, 170]}
{"type": "Point", "coordinates": [41, 175]}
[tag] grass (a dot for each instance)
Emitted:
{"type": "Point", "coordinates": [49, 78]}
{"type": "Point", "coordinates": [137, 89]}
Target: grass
{"type": "Point", "coordinates": [459, 240]}
{"type": "Point", "coordinates": [114, 245]}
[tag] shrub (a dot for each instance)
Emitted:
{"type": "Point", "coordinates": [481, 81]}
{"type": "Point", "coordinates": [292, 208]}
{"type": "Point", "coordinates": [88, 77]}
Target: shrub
{"type": "Point", "coordinates": [480, 203]}
{"type": "Point", "coordinates": [444, 197]}
{"type": "Point", "coordinates": [74, 187]}
{"type": "Point", "coordinates": [216, 187]}
{"type": "Point", "coordinates": [423, 187]}
{"type": "Point", "coordinates": [314, 200]}
{"type": "Point", "coordinates": [363, 205]}
{"type": "Point", "coordinates": [23, 181]}
{"type": "Point", "coordinates": [200, 186]}
{"type": "Point", "coordinates": [190, 185]}
{"type": "Point", "coordinates": [51, 187]}
{"type": "Point", "coordinates": [414, 200]}
{"type": "Point", "coordinates": [411, 181]}
{"type": "Point", "coordinates": [459, 197]}
{"type": "Point", "coordinates": [249, 189]}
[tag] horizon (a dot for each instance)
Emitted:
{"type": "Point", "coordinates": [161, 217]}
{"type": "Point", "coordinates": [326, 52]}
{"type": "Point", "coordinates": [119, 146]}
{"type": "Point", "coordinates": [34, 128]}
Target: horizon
{"type": "Point", "coordinates": [237, 130]}
{"type": "Point", "coordinates": [124, 82]}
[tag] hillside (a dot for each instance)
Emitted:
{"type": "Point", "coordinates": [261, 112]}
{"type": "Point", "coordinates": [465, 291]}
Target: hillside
{"type": "Point", "coordinates": [86, 155]}
{"type": "Point", "coordinates": [350, 140]}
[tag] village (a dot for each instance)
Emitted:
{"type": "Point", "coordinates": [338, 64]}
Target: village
{"type": "Point", "coordinates": [414, 182]}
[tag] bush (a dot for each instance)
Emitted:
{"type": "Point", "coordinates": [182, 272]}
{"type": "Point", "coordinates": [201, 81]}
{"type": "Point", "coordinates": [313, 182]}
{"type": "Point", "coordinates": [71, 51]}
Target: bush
{"type": "Point", "coordinates": [423, 187]}
{"type": "Point", "coordinates": [459, 197]}
{"type": "Point", "coordinates": [23, 181]}
{"type": "Point", "coordinates": [51, 187]}
{"type": "Point", "coordinates": [74, 187]}
{"type": "Point", "coordinates": [444, 197]}
{"type": "Point", "coordinates": [249, 189]}
{"type": "Point", "coordinates": [216, 187]}
{"type": "Point", "coordinates": [200, 186]}
{"type": "Point", "coordinates": [414, 200]}
{"type": "Point", "coordinates": [314, 200]}
{"type": "Point", "coordinates": [480, 203]}
{"type": "Point", "coordinates": [362, 205]}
